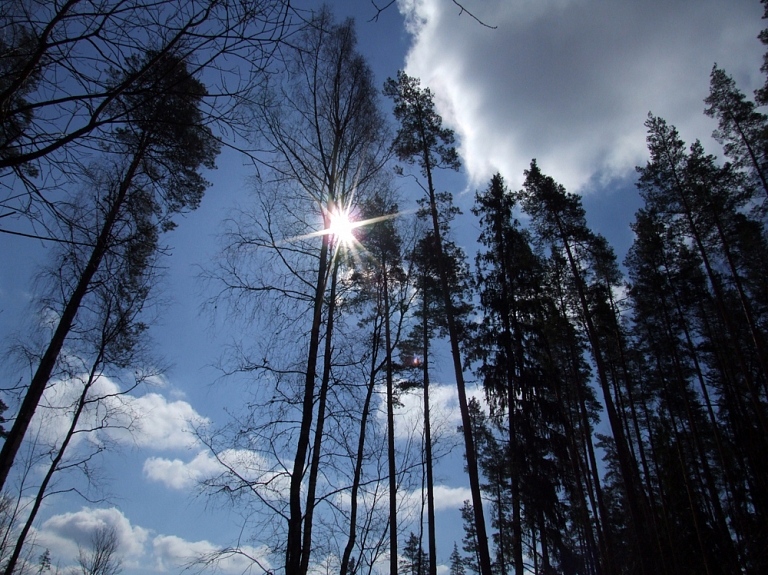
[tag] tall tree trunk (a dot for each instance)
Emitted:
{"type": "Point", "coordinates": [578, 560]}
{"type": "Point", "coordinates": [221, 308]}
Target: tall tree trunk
{"type": "Point", "coordinates": [428, 445]}
{"type": "Point", "coordinates": [48, 361]}
{"type": "Point", "coordinates": [293, 549]}
{"type": "Point", "coordinates": [351, 539]}
{"type": "Point", "coordinates": [627, 470]}
{"type": "Point", "coordinates": [393, 564]}
{"type": "Point", "coordinates": [38, 501]}
{"type": "Point", "coordinates": [314, 466]}
{"type": "Point", "coordinates": [469, 443]}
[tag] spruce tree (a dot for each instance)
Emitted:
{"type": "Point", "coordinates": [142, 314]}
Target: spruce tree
{"type": "Point", "coordinates": [456, 566]}
{"type": "Point", "coordinates": [558, 220]}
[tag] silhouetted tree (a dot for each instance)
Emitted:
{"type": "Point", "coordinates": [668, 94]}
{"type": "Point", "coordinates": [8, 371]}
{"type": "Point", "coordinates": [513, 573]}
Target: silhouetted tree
{"type": "Point", "coordinates": [152, 174]}
{"type": "Point", "coordinates": [422, 140]}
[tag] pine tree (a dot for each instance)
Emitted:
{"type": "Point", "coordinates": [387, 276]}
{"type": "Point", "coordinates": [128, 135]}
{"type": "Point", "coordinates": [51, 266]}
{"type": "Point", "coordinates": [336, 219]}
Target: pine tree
{"type": "Point", "coordinates": [153, 174]}
{"type": "Point", "coordinates": [421, 139]}
{"type": "Point", "coordinates": [506, 280]}
{"type": "Point", "coordinates": [415, 559]}
{"type": "Point", "coordinates": [699, 317]}
{"type": "Point", "coordinates": [741, 128]}
{"type": "Point", "coordinates": [456, 566]}
{"type": "Point", "coordinates": [469, 541]}
{"type": "Point", "coordinates": [665, 283]}
{"type": "Point", "coordinates": [702, 202]}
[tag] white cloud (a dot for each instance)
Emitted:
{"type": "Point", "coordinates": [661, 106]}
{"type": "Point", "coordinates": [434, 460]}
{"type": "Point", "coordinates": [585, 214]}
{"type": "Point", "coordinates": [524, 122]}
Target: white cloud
{"type": "Point", "coordinates": [63, 533]}
{"type": "Point", "coordinates": [445, 417]}
{"type": "Point", "coordinates": [176, 474]}
{"type": "Point", "coordinates": [249, 465]}
{"type": "Point", "coordinates": [149, 420]}
{"type": "Point", "coordinates": [451, 497]}
{"type": "Point", "coordinates": [162, 424]}
{"type": "Point", "coordinates": [136, 547]}
{"type": "Point", "coordinates": [570, 82]}
{"type": "Point", "coordinates": [171, 553]}
{"type": "Point", "coordinates": [447, 498]}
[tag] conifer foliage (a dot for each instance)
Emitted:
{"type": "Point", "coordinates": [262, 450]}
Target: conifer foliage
{"type": "Point", "coordinates": [677, 352]}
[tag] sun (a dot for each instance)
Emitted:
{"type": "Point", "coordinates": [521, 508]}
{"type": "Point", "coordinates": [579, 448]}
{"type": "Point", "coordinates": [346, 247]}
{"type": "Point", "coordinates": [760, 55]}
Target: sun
{"type": "Point", "coordinates": [341, 227]}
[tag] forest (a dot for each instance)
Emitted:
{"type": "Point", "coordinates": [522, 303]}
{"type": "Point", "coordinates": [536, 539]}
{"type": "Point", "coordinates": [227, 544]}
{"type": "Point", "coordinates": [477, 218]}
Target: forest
{"type": "Point", "coordinates": [622, 426]}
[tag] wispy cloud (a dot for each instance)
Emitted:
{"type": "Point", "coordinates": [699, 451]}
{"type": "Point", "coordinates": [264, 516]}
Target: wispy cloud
{"type": "Point", "coordinates": [248, 465]}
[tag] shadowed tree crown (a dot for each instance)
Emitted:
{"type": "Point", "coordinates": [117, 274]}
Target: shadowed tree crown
{"type": "Point", "coordinates": [421, 138]}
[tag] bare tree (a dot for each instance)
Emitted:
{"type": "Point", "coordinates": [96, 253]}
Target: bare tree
{"type": "Point", "coordinates": [121, 80]}
{"type": "Point", "coordinates": [102, 558]}
{"type": "Point", "coordinates": [381, 5]}
{"type": "Point", "coordinates": [110, 335]}
{"type": "Point", "coordinates": [324, 143]}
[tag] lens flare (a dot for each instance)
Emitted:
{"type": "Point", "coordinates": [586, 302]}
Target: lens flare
{"type": "Point", "coordinates": [341, 227]}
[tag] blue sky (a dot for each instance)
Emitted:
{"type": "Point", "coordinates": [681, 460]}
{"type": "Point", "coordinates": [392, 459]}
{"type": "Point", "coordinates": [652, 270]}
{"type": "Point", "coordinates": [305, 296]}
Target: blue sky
{"type": "Point", "coordinates": [568, 82]}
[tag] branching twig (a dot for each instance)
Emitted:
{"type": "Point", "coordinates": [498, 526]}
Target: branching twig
{"type": "Point", "coordinates": [462, 10]}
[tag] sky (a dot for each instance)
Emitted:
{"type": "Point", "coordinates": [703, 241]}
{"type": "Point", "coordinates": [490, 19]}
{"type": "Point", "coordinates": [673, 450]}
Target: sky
{"type": "Point", "coordinates": [568, 82]}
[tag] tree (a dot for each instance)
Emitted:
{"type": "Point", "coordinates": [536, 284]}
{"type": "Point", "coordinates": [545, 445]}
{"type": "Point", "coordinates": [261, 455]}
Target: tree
{"type": "Point", "coordinates": [666, 283]}
{"type": "Point", "coordinates": [456, 566]}
{"type": "Point", "coordinates": [497, 272]}
{"type": "Point", "coordinates": [381, 274]}
{"type": "Point", "coordinates": [109, 336]}
{"type": "Point", "coordinates": [79, 82]}
{"type": "Point", "coordinates": [57, 99]}
{"type": "Point", "coordinates": [558, 218]}
{"type": "Point", "coordinates": [741, 128]}
{"type": "Point", "coordinates": [45, 561]}
{"type": "Point", "coordinates": [415, 559]}
{"type": "Point", "coordinates": [102, 558]}
{"type": "Point", "coordinates": [431, 317]}
{"type": "Point", "coordinates": [343, 135]}
{"type": "Point", "coordinates": [381, 297]}
{"type": "Point", "coordinates": [761, 94]}
{"type": "Point", "coordinates": [322, 136]}
{"type": "Point", "coordinates": [702, 201]}
{"type": "Point", "coordinates": [469, 541]}
{"type": "Point", "coordinates": [422, 140]}
{"type": "Point", "coordinates": [701, 317]}
{"type": "Point", "coordinates": [151, 174]}
{"type": "Point", "coordinates": [462, 10]}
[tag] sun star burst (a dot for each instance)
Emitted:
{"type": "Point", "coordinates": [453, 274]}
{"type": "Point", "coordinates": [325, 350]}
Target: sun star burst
{"type": "Point", "coordinates": [341, 227]}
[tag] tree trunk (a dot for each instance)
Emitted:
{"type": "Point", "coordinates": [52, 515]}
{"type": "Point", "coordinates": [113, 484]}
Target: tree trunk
{"type": "Point", "coordinates": [360, 452]}
{"type": "Point", "coordinates": [469, 443]}
{"type": "Point", "coordinates": [393, 564]}
{"type": "Point", "coordinates": [317, 445]}
{"type": "Point", "coordinates": [428, 447]}
{"type": "Point", "coordinates": [48, 362]}
{"type": "Point", "coordinates": [293, 550]}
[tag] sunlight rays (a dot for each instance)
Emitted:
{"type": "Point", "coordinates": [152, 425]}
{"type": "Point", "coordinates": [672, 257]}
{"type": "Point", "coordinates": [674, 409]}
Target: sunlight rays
{"type": "Point", "coordinates": [342, 226]}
